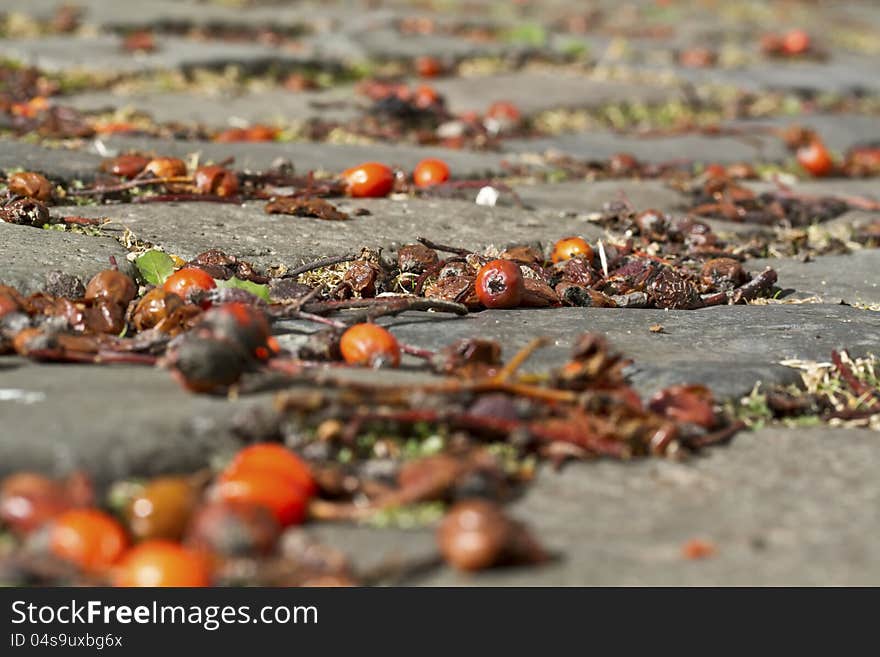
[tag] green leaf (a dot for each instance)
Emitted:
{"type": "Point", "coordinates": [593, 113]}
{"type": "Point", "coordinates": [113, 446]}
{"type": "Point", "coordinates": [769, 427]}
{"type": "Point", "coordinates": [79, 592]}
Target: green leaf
{"type": "Point", "coordinates": [260, 291]}
{"type": "Point", "coordinates": [155, 266]}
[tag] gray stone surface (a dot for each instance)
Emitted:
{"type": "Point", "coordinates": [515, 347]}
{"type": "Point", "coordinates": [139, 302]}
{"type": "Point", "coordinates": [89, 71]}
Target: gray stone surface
{"type": "Point", "coordinates": [782, 507]}
{"type": "Point", "coordinates": [113, 421]}
{"type": "Point", "coordinates": [103, 54]}
{"type": "Point", "coordinates": [247, 231]}
{"type": "Point", "coordinates": [276, 106]}
{"type": "Point", "coordinates": [852, 278]}
{"type": "Point", "coordinates": [535, 91]}
{"type": "Point", "coordinates": [586, 197]}
{"type": "Point", "coordinates": [57, 163]}
{"type": "Point", "coordinates": [27, 254]}
{"type": "Point", "coordinates": [308, 156]}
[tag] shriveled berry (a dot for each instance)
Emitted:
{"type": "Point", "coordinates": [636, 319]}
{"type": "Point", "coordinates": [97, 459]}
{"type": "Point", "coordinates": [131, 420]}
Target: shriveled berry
{"type": "Point", "coordinates": [369, 345]}
{"type": "Point", "coordinates": [187, 281]}
{"type": "Point", "coordinates": [233, 529]}
{"type": "Point", "coordinates": [216, 180]}
{"type": "Point", "coordinates": [499, 284]}
{"type": "Point", "coordinates": [570, 247]}
{"type": "Point", "coordinates": [205, 364]}
{"type": "Point", "coordinates": [111, 285]}
{"type": "Point", "coordinates": [155, 307]}
{"type": "Point", "coordinates": [430, 172]}
{"type": "Point", "coordinates": [166, 167]}
{"type": "Point", "coordinates": [89, 538]}
{"type": "Point", "coordinates": [685, 403]}
{"type": "Point", "coordinates": [30, 184]}
{"type": "Point", "coordinates": [241, 323]}
{"type": "Point", "coordinates": [723, 272]}
{"type": "Point", "coordinates": [163, 563]}
{"type": "Point", "coordinates": [125, 166]}
{"type": "Point", "coordinates": [162, 509]}
{"type": "Point", "coordinates": [369, 180]}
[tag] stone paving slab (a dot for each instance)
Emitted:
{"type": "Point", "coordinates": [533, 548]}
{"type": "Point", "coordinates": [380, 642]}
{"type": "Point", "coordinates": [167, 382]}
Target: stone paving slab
{"type": "Point", "coordinates": [587, 197]}
{"type": "Point", "coordinates": [851, 278]}
{"type": "Point", "coordinates": [102, 54]}
{"type": "Point", "coordinates": [27, 254]}
{"type": "Point", "coordinates": [782, 506]}
{"type": "Point", "coordinates": [539, 90]}
{"type": "Point", "coordinates": [247, 231]}
{"type": "Point", "coordinates": [307, 156]}
{"type": "Point", "coordinates": [56, 163]}
{"type": "Point", "coordinates": [114, 421]}
{"type": "Point", "coordinates": [218, 110]}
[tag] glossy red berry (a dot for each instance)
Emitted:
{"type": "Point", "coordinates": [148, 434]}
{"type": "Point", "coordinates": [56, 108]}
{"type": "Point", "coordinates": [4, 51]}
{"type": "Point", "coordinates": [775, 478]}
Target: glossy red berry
{"type": "Point", "coordinates": [369, 180]}
{"type": "Point", "coordinates": [430, 172]}
{"type": "Point", "coordinates": [369, 345]}
{"type": "Point", "coordinates": [815, 158]}
{"type": "Point", "coordinates": [89, 538]}
{"type": "Point", "coordinates": [500, 284]}
{"type": "Point", "coordinates": [187, 281]}
{"type": "Point", "coordinates": [287, 501]}
{"type": "Point", "coordinates": [272, 457]}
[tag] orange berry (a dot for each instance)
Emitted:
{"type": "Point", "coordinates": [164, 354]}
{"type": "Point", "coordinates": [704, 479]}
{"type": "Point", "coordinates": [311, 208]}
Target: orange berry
{"type": "Point", "coordinates": [795, 42]}
{"type": "Point", "coordinates": [89, 538]}
{"type": "Point", "coordinates": [428, 67]}
{"type": "Point", "coordinates": [430, 172]}
{"type": "Point", "coordinates": [369, 345]}
{"type": "Point", "coordinates": [570, 247]}
{"type": "Point", "coordinates": [286, 500]}
{"type": "Point", "coordinates": [163, 563]}
{"type": "Point", "coordinates": [815, 158]}
{"type": "Point", "coordinates": [425, 96]}
{"type": "Point", "coordinates": [30, 184]}
{"type": "Point", "coordinates": [503, 111]}
{"type": "Point", "coordinates": [275, 458]}
{"type": "Point", "coordinates": [500, 284]}
{"type": "Point", "coordinates": [166, 167]}
{"type": "Point", "coordinates": [369, 180]}
{"type": "Point", "coordinates": [187, 281]}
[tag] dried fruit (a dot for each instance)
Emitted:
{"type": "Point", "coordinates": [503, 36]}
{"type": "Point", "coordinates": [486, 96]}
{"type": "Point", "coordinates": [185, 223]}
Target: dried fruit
{"type": "Point", "coordinates": [499, 284]}
{"type": "Point", "coordinates": [125, 166]}
{"type": "Point", "coordinates": [216, 180]}
{"type": "Point", "coordinates": [30, 184]}
{"type": "Point", "coordinates": [111, 285]}
{"type": "Point", "coordinates": [166, 167]}
{"type": "Point", "coordinates": [89, 538]}
{"type": "Point", "coordinates": [162, 509]}
{"type": "Point", "coordinates": [430, 172]}
{"type": "Point", "coordinates": [163, 563]}
{"type": "Point", "coordinates": [369, 180]}
{"type": "Point", "coordinates": [369, 345]}
{"type": "Point", "coordinates": [29, 500]}
{"type": "Point", "coordinates": [233, 529]}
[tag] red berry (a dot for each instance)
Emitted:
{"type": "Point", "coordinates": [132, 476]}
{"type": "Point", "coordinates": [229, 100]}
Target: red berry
{"type": "Point", "coordinates": [570, 247]}
{"type": "Point", "coordinates": [163, 563]}
{"type": "Point", "coordinates": [287, 500]}
{"type": "Point", "coordinates": [29, 500]}
{"type": "Point", "coordinates": [125, 166]}
{"type": "Point", "coordinates": [428, 67]}
{"type": "Point", "coordinates": [272, 457]}
{"type": "Point", "coordinates": [430, 172]}
{"type": "Point", "coordinates": [795, 42]}
{"type": "Point", "coordinates": [189, 280]}
{"type": "Point", "coordinates": [369, 180]}
{"type": "Point", "coordinates": [500, 284]}
{"type": "Point", "coordinates": [814, 157]}
{"type": "Point", "coordinates": [89, 538]}
{"type": "Point", "coordinates": [503, 111]}
{"type": "Point", "coordinates": [425, 96]}
{"type": "Point", "coordinates": [369, 345]}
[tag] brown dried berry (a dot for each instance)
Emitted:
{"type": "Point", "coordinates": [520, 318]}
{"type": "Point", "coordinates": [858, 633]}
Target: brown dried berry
{"type": "Point", "coordinates": [162, 509]}
{"type": "Point", "coordinates": [111, 285]}
{"type": "Point", "coordinates": [30, 184]}
{"type": "Point", "coordinates": [724, 273]}
{"type": "Point", "coordinates": [216, 180]}
{"type": "Point", "coordinates": [416, 258]}
{"type": "Point", "coordinates": [233, 529]}
{"type": "Point", "coordinates": [125, 166]}
{"type": "Point", "coordinates": [154, 308]}
{"type": "Point", "coordinates": [166, 167]}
